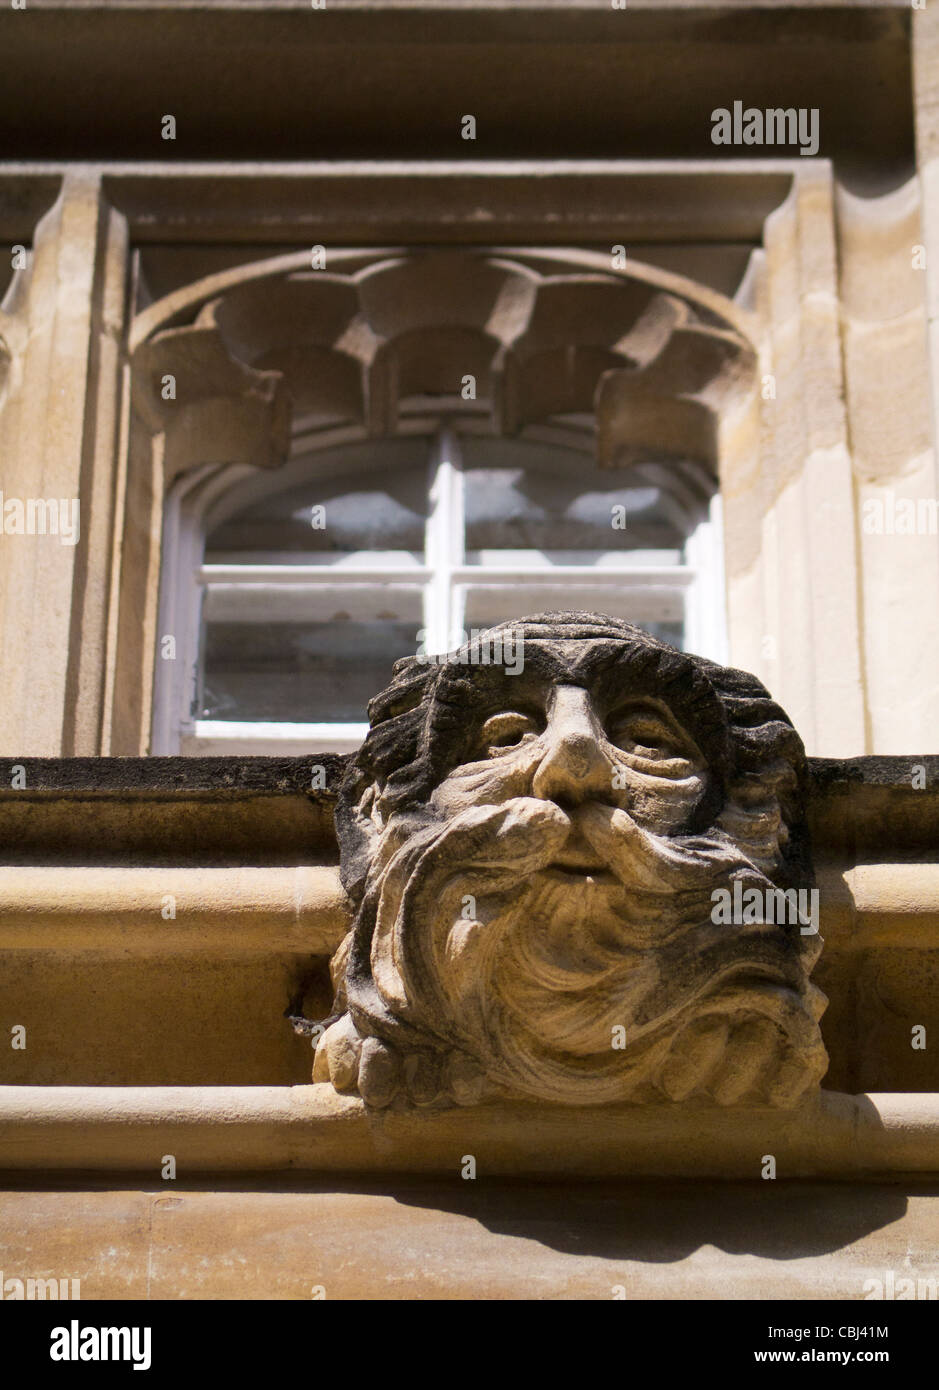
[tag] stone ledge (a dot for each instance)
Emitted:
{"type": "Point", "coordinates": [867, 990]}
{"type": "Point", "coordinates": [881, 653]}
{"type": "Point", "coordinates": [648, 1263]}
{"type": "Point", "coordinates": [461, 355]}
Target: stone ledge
{"type": "Point", "coordinates": [278, 1235]}
{"type": "Point", "coordinates": [297, 910]}
{"type": "Point", "coordinates": [303, 910]}
{"type": "Point", "coordinates": [311, 1128]}
{"type": "Point", "coordinates": [238, 774]}
{"type": "Point", "coordinates": [858, 807]}
{"type": "Point", "coordinates": [235, 776]}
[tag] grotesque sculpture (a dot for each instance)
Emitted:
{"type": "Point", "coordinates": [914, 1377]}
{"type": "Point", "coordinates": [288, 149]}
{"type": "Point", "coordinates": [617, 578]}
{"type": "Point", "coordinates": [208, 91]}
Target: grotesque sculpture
{"type": "Point", "coordinates": [535, 848]}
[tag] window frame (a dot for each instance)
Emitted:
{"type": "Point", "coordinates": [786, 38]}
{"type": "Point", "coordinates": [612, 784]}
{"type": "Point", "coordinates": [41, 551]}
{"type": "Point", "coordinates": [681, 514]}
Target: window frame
{"type": "Point", "coordinates": [207, 496]}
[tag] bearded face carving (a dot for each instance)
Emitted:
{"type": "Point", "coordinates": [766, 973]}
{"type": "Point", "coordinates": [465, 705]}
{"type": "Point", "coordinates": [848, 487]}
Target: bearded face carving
{"type": "Point", "coordinates": [535, 848]}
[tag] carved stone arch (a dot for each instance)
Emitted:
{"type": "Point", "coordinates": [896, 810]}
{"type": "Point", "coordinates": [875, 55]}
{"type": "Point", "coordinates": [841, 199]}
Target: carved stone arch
{"type": "Point", "coordinates": [243, 367]}
{"type": "Point", "coordinates": [658, 361]}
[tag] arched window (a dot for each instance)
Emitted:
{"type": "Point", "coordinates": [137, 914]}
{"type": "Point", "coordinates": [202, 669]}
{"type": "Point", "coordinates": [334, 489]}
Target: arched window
{"type": "Point", "coordinates": [373, 458]}
{"type": "Point", "coordinates": [293, 593]}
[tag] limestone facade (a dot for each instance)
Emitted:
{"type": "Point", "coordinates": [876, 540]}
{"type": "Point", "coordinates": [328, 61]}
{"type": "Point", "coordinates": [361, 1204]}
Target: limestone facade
{"type": "Point", "coordinates": [290, 224]}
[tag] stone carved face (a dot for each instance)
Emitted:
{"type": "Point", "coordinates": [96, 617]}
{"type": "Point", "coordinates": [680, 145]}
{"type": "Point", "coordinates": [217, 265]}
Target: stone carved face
{"type": "Point", "coordinates": [535, 859]}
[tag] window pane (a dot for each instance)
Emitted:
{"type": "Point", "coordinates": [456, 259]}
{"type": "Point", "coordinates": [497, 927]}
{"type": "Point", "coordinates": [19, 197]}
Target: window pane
{"type": "Point", "coordinates": [523, 496]}
{"type": "Point", "coordinates": [302, 654]}
{"type": "Point", "coordinates": [310, 672]}
{"type": "Point", "coordinates": [369, 497]}
{"type": "Point", "coordinates": [659, 611]}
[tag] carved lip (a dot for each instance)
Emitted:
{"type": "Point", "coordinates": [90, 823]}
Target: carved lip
{"type": "Point", "coordinates": [577, 855]}
{"type": "Point", "coordinates": [565, 873]}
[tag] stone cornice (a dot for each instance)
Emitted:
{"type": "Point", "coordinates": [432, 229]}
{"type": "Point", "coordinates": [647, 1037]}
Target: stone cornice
{"type": "Point", "coordinates": [859, 787]}
{"type": "Point", "coordinates": [252, 80]}
{"type": "Point", "coordinates": [269, 1128]}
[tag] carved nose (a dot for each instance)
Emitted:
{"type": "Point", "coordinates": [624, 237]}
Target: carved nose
{"type": "Point", "coordinates": [573, 768]}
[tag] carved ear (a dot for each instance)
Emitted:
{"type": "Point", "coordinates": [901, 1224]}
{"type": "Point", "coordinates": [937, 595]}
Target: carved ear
{"type": "Point", "coordinates": [359, 823]}
{"type": "Point", "coordinates": [370, 812]}
{"type": "Point", "coordinates": [389, 756]}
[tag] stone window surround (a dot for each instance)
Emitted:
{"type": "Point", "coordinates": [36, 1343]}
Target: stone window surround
{"type": "Point", "coordinates": [385, 330]}
{"type": "Point", "coordinates": [790, 520]}
{"type": "Point", "coordinates": [700, 579]}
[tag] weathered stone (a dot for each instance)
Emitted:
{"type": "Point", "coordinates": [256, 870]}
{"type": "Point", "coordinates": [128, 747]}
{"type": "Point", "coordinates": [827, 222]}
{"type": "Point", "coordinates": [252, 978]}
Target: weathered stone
{"type": "Point", "coordinates": [536, 859]}
{"type": "Point", "coordinates": [379, 1073]}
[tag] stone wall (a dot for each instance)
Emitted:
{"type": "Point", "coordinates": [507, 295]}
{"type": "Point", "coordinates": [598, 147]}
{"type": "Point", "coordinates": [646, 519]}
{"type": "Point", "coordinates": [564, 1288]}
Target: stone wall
{"type": "Point", "coordinates": [163, 919]}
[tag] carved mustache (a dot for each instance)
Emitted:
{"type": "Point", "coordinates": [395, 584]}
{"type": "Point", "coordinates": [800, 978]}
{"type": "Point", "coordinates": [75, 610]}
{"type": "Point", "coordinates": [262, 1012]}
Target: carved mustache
{"type": "Point", "coordinates": [656, 863]}
{"type": "Point", "coordinates": [527, 834]}
{"type": "Point", "coordinates": [493, 849]}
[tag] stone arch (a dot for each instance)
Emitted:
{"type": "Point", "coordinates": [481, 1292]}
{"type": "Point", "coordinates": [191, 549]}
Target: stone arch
{"type": "Point", "coordinates": [233, 370]}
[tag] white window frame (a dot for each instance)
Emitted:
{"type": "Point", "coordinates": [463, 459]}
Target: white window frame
{"type": "Point", "coordinates": [206, 496]}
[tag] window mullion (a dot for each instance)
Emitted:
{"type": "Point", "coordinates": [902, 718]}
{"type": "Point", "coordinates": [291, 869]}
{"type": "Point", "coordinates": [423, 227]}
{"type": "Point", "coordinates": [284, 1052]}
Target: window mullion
{"type": "Point", "coordinates": [444, 544]}
{"type": "Point", "coordinates": [705, 603]}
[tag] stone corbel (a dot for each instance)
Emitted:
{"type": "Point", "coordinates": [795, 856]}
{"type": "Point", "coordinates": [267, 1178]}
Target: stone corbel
{"type": "Point", "coordinates": [581, 877]}
{"type": "Point", "coordinates": [211, 406]}
{"type": "Point", "coordinates": [674, 405]}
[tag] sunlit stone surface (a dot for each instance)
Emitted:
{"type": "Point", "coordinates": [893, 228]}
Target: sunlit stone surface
{"type": "Point", "coordinates": [538, 835]}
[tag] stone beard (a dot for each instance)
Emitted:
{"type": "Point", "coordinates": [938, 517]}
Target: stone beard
{"type": "Point", "coordinates": [534, 861]}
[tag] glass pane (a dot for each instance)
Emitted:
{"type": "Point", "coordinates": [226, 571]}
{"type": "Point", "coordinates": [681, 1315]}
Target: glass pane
{"type": "Point", "coordinates": [302, 654]}
{"type": "Point", "coordinates": [523, 496]}
{"type": "Point", "coordinates": [362, 497]}
{"type": "Point", "coordinates": [658, 611]}
{"type": "Point", "coordinates": [313, 672]}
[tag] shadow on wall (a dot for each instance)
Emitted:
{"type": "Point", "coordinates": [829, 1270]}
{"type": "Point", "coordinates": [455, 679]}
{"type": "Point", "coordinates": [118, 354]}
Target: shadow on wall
{"type": "Point", "coordinates": [668, 1221]}
{"type": "Point", "coordinates": [652, 1221]}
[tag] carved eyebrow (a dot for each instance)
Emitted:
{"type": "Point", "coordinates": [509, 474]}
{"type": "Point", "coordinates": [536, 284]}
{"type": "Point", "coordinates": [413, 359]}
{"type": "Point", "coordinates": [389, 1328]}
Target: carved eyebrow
{"type": "Point", "coordinates": [676, 729]}
{"type": "Point", "coordinates": [647, 705]}
{"type": "Point", "coordinates": [493, 684]}
{"type": "Point", "coordinates": [514, 713]}
{"type": "Point", "coordinates": [522, 709]}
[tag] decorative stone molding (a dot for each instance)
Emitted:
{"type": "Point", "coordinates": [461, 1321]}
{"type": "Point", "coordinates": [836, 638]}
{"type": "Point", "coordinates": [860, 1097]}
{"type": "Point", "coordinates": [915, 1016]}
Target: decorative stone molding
{"type": "Point", "coordinates": [221, 410]}
{"type": "Point", "coordinates": [248, 852]}
{"type": "Point", "coordinates": [542, 334]}
{"type": "Point", "coordinates": [535, 856]}
{"type": "Point", "coordinates": [312, 1129]}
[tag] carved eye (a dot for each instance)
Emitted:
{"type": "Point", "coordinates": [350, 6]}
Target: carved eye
{"type": "Point", "coordinates": [645, 735]}
{"type": "Point", "coordinates": [507, 729]}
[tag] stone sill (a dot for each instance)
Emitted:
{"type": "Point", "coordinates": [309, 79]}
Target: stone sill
{"type": "Point", "coordinates": [272, 776]}
{"type": "Point", "coordinates": [232, 776]}
{"type": "Point", "coordinates": [863, 808]}
{"type": "Point", "coordinates": [310, 1128]}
